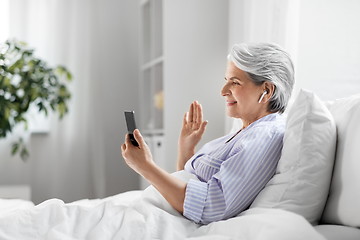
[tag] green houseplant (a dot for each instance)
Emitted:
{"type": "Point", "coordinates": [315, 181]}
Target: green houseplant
{"type": "Point", "coordinates": [24, 81]}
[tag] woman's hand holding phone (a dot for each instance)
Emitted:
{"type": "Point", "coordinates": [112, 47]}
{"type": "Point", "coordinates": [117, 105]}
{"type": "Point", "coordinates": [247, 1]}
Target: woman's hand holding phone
{"type": "Point", "coordinates": [135, 151]}
{"type": "Point", "coordinates": [137, 157]}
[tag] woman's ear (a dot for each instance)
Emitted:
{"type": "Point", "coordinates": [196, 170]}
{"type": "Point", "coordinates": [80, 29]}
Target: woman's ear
{"type": "Point", "coordinates": [269, 88]}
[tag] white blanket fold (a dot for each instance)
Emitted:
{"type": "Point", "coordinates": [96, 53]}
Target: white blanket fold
{"type": "Point", "coordinates": [140, 215]}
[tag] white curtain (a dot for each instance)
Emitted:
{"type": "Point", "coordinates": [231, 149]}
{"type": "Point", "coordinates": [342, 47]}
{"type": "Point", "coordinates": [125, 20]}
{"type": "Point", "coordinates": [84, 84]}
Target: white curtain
{"type": "Point", "coordinates": [80, 155]}
{"type": "Point", "coordinates": [68, 161]}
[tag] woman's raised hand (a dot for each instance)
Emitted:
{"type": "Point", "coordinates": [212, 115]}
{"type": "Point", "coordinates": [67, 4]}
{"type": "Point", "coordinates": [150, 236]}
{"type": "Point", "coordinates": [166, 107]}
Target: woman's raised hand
{"type": "Point", "coordinates": [192, 130]}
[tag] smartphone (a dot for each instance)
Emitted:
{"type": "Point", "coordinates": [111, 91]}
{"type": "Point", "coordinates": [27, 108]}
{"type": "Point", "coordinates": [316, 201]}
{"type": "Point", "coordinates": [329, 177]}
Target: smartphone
{"type": "Point", "coordinates": [131, 125]}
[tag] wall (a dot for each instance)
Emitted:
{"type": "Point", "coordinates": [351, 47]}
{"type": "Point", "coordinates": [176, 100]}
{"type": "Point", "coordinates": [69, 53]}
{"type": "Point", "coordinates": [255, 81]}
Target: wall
{"type": "Point", "coordinates": [195, 51]}
{"type": "Point", "coordinates": [118, 41]}
{"type": "Point", "coordinates": [329, 48]}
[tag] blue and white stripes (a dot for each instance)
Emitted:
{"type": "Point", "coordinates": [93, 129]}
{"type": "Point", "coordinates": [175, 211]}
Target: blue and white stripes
{"type": "Point", "coordinates": [232, 173]}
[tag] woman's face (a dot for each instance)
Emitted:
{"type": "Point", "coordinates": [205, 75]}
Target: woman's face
{"type": "Point", "coordinates": [242, 96]}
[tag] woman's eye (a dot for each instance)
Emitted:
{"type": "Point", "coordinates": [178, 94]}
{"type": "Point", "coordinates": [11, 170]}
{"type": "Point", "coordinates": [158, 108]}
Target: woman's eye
{"type": "Point", "coordinates": [233, 82]}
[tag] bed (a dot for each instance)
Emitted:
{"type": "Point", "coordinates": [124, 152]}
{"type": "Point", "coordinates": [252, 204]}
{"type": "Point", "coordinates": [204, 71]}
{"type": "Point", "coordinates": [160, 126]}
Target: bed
{"type": "Point", "coordinates": [140, 215]}
{"type": "Point", "coordinates": [290, 206]}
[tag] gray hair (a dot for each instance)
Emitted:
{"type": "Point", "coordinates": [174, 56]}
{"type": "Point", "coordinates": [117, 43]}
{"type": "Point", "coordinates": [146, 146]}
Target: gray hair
{"type": "Point", "coordinates": [267, 62]}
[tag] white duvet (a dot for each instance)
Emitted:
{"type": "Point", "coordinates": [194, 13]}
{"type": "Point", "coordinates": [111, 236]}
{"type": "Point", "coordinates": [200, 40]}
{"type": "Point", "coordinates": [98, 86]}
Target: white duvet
{"type": "Point", "coordinates": [141, 215]}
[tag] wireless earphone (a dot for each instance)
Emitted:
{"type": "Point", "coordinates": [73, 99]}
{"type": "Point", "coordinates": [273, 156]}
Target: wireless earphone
{"type": "Point", "coordinates": [262, 96]}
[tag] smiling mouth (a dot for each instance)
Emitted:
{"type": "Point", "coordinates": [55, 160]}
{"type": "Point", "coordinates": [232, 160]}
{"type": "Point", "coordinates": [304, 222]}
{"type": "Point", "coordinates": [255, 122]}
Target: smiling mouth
{"type": "Point", "coordinates": [231, 103]}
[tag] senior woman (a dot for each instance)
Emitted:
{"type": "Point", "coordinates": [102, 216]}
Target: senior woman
{"type": "Point", "coordinates": [232, 169]}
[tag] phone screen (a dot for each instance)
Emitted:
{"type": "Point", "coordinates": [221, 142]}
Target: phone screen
{"type": "Point", "coordinates": [131, 125]}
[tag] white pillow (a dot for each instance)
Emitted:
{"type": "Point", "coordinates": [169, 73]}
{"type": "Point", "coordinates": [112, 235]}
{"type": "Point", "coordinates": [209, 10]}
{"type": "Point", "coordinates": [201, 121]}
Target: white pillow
{"type": "Point", "coordinates": [236, 126]}
{"type": "Point", "coordinates": [303, 174]}
{"type": "Point", "coordinates": [343, 206]}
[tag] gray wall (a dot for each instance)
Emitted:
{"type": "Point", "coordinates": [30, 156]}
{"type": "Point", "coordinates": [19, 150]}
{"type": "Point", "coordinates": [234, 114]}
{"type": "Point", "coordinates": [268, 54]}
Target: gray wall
{"type": "Point", "coordinates": [329, 48]}
{"type": "Point", "coordinates": [195, 48]}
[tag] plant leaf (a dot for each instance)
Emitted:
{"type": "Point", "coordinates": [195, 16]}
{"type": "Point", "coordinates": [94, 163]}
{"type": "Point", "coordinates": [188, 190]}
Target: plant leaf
{"type": "Point", "coordinates": [69, 76]}
{"type": "Point", "coordinates": [24, 154]}
{"type": "Point", "coordinates": [15, 148]}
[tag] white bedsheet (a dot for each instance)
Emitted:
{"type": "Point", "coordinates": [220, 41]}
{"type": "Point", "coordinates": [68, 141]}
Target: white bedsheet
{"type": "Point", "coordinates": [141, 215]}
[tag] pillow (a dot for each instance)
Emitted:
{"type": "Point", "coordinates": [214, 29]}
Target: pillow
{"type": "Point", "coordinates": [343, 205]}
{"type": "Point", "coordinates": [236, 125]}
{"type": "Point", "coordinates": [303, 174]}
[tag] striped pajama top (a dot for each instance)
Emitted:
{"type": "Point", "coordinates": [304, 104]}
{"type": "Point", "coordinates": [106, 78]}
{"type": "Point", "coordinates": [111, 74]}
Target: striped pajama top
{"type": "Point", "coordinates": [232, 173]}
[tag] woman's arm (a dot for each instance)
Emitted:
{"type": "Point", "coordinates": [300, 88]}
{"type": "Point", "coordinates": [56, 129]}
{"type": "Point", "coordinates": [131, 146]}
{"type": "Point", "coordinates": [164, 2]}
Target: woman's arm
{"type": "Point", "coordinates": [170, 187]}
{"type": "Point", "coordinates": [140, 160]}
{"type": "Point", "coordinates": [192, 130]}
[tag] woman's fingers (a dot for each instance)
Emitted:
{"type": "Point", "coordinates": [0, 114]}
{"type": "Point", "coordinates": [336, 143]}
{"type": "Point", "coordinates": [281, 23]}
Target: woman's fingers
{"type": "Point", "coordinates": [124, 146]}
{"type": "Point", "coordinates": [138, 137]}
{"type": "Point", "coordinates": [202, 127]}
{"type": "Point", "coordinates": [191, 112]}
{"type": "Point", "coordinates": [199, 114]}
{"type": "Point", "coordinates": [194, 117]}
{"type": "Point", "coordinates": [185, 119]}
{"type": "Point", "coordinates": [127, 138]}
{"type": "Point", "coordinates": [191, 115]}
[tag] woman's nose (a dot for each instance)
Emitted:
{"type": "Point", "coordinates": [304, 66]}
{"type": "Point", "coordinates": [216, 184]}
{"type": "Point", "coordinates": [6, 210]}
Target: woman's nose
{"type": "Point", "coordinates": [225, 91]}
